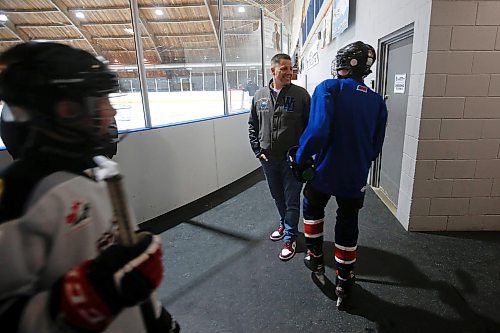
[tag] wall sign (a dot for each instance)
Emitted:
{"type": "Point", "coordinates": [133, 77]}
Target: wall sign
{"type": "Point", "coordinates": [399, 83]}
{"type": "Point", "coordinates": [311, 59]}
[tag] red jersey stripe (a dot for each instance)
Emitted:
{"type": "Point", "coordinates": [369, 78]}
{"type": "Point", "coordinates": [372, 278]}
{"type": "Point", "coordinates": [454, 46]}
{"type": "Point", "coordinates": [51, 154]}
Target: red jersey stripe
{"type": "Point", "coordinates": [345, 255]}
{"type": "Point", "coordinates": [313, 229]}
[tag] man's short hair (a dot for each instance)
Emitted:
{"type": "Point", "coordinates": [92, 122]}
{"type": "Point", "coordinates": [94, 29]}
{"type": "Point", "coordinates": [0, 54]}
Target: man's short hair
{"type": "Point", "coordinates": [277, 58]}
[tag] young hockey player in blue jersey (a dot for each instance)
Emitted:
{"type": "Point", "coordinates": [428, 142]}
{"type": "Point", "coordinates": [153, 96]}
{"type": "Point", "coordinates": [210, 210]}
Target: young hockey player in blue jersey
{"type": "Point", "coordinates": [61, 269]}
{"type": "Point", "coordinates": [345, 134]}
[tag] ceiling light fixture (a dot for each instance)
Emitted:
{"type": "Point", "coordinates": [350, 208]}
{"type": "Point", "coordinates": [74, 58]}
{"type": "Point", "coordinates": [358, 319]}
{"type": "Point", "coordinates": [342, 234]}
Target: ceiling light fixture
{"type": "Point", "coordinates": [159, 12]}
{"type": "Point", "coordinates": [3, 18]}
{"type": "Point", "coordinates": [241, 9]}
{"type": "Point", "coordinates": [80, 15]}
{"type": "Point", "coordinates": [129, 31]}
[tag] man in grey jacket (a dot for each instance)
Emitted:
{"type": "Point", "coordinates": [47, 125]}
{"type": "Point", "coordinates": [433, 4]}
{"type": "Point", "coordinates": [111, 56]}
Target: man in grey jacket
{"type": "Point", "coordinates": [279, 114]}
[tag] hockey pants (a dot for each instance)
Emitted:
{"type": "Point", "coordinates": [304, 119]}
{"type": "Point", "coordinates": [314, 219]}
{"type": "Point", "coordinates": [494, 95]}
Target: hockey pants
{"type": "Point", "coordinates": [346, 226]}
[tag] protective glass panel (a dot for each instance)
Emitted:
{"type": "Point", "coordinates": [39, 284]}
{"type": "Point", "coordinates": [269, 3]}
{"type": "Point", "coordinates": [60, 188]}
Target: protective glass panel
{"type": "Point", "coordinates": [243, 48]}
{"type": "Point", "coordinates": [182, 60]}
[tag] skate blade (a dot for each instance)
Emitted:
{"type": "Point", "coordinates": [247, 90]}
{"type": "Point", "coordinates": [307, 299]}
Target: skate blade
{"type": "Point", "coordinates": [320, 277]}
{"type": "Point", "coordinates": [339, 301]}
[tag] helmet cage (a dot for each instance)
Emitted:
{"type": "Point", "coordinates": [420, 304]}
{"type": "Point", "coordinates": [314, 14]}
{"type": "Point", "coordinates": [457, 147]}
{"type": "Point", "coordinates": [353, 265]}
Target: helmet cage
{"type": "Point", "coordinates": [357, 58]}
{"type": "Point", "coordinates": [37, 76]}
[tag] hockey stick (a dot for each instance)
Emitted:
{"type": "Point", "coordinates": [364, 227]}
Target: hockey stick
{"type": "Point", "coordinates": [109, 172]}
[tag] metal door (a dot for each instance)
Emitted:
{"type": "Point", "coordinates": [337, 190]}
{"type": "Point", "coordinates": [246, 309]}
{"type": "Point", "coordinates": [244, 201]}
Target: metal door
{"type": "Point", "coordinates": [397, 54]}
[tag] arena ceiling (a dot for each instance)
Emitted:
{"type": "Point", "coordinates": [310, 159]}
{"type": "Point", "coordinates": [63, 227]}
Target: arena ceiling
{"type": "Point", "coordinates": [172, 31]}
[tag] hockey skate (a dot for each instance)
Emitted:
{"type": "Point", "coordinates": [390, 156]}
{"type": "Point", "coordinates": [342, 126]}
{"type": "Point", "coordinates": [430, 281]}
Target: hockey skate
{"type": "Point", "coordinates": [315, 264]}
{"type": "Point", "coordinates": [344, 282]}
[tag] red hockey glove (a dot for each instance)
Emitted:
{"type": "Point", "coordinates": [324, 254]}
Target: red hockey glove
{"type": "Point", "coordinates": [92, 293]}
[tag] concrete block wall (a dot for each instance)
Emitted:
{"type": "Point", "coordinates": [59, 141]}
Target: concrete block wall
{"type": "Point", "coordinates": [457, 169]}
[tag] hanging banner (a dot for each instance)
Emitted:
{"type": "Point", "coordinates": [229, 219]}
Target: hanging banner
{"type": "Point", "coordinates": [340, 20]}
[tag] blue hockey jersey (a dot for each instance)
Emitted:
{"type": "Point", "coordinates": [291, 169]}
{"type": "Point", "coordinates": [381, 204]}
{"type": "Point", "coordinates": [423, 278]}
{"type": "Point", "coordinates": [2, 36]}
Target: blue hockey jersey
{"type": "Point", "coordinates": [345, 133]}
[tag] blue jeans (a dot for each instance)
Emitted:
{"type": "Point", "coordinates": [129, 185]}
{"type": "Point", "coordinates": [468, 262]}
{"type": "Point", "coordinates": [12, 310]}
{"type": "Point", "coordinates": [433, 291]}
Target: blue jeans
{"type": "Point", "coordinates": [285, 190]}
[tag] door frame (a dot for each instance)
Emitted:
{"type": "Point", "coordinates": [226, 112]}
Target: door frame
{"type": "Point", "coordinates": [380, 83]}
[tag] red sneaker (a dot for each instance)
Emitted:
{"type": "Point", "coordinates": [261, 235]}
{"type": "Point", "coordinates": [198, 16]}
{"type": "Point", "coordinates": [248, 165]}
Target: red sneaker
{"type": "Point", "coordinates": [288, 250]}
{"type": "Point", "coordinates": [278, 234]}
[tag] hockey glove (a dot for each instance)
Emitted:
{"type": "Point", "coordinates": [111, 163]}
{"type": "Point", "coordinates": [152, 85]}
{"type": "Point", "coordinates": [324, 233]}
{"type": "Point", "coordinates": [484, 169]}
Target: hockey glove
{"type": "Point", "coordinates": [93, 293]}
{"type": "Point", "coordinates": [303, 173]}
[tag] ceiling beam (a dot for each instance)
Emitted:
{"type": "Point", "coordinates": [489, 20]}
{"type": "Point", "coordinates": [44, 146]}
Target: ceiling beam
{"type": "Point", "coordinates": [190, 5]}
{"type": "Point", "coordinates": [188, 20]}
{"type": "Point", "coordinates": [15, 30]}
{"type": "Point", "coordinates": [44, 25]}
{"type": "Point", "coordinates": [59, 39]}
{"type": "Point", "coordinates": [200, 34]}
{"type": "Point", "coordinates": [85, 24]}
{"type": "Point", "coordinates": [89, 24]}
{"type": "Point", "coordinates": [157, 36]}
{"type": "Point", "coordinates": [166, 49]}
{"type": "Point", "coordinates": [156, 41]}
{"type": "Point", "coordinates": [28, 10]}
{"type": "Point", "coordinates": [179, 21]}
{"type": "Point", "coordinates": [202, 19]}
{"type": "Point", "coordinates": [61, 7]}
{"type": "Point", "coordinates": [212, 23]}
{"type": "Point", "coordinates": [111, 37]}
{"type": "Point", "coordinates": [94, 8]}
{"type": "Point", "coordinates": [152, 7]}
{"type": "Point", "coordinates": [204, 35]}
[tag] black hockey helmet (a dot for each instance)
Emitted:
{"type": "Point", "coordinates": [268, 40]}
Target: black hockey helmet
{"type": "Point", "coordinates": [356, 57]}
{"type": "Point", "coordinates": [34, 76]}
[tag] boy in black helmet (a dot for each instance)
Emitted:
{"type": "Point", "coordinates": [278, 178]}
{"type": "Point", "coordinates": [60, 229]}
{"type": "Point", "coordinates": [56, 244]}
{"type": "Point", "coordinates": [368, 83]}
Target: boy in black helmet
{"type": "Point", "coordinates": [345, 133]}
{"type": "Point", "coordinates": [61, 269]}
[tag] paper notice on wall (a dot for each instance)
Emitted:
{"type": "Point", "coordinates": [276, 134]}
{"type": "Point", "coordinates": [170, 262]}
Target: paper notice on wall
{"type": "Point", "coordinates": [399, 83]}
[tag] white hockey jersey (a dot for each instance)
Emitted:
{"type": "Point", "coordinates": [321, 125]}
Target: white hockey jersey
{"type": "Point", "coordinates": [66, 219]}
